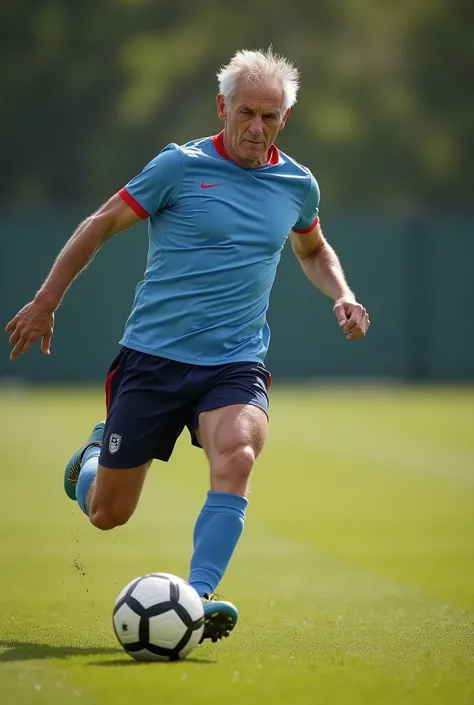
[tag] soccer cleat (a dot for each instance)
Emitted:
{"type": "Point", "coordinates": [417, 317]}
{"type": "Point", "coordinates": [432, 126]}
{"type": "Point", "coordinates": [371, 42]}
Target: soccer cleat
{"type": "Point", "coordinates": [73, 468]}
{"type": "Point", "coordinates": [220, 617]}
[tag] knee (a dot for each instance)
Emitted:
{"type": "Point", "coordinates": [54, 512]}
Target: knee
{"type": "Point", "coordinates": [232, 470]}
{"type": "Point", "coordinates": [106, 518]}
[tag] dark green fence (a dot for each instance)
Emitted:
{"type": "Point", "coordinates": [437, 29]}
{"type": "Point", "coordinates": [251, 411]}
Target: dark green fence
{"type": "Point", "coordinates": [414, 275]}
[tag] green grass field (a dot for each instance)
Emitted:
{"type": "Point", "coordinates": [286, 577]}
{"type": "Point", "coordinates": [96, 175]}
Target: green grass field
{"type": "Point", "coordinates": [354, 577]}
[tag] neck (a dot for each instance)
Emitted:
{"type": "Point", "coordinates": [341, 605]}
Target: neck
{"type": "Point", "coordinates": [252, 163]}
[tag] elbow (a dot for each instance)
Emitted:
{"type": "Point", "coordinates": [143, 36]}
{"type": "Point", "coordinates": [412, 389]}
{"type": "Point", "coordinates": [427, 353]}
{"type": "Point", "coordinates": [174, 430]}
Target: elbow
{"type": "Point", "coordinates": [309, 256]}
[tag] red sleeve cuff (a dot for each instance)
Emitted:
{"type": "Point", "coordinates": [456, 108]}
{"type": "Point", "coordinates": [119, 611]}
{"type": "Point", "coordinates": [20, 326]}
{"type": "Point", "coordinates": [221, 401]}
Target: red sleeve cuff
{"type": "Point", "coordinates": [307, 230]}
{"type": "Point", "coordinates": [134, 205]}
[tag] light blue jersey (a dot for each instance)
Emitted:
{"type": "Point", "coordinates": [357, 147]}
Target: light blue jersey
{"type": "Point", "coordinates": [216, 232]}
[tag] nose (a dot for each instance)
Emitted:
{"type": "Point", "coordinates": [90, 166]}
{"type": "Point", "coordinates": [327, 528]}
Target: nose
{"type": "Point", "coordinates": [256, 126]}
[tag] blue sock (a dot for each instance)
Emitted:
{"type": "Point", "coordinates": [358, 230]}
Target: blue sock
{"type": "Point", "coordinates": [217, 531]}
{"type": "Point", "coordinates": [90, 461]}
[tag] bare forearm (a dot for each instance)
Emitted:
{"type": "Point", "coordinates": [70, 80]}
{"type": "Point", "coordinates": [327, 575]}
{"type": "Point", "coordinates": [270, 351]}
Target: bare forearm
{"type": "Point", "coordinates": [324, 270]}
{"type": "Point", "coordinates": [73, 258]}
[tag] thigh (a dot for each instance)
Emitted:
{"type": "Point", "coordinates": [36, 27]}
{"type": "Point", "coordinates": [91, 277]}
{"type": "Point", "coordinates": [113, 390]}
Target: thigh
{"type": "Point", "coordinates": [139, 428]}
{"type": "Point", "coordinates": [145, 415]}
{"type": "Point", "coordinates": [234, 407]}
{"type": "Point", "coordinates": [117, 491]}
{"type": "Point", "coordinates": [222, 430]}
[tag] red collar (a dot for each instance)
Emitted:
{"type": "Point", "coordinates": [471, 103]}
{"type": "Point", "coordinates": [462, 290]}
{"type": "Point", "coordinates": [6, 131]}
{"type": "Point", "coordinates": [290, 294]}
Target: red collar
{"type": "Point", "coordinates": [218, 141]}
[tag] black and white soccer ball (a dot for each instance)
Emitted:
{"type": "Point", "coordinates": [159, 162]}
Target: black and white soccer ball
{"type": "Point", "coordinates": [158, 617]}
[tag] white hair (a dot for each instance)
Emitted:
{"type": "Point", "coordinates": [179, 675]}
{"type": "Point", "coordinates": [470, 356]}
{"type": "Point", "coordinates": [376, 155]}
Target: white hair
{"type": "Point", "coordinates": [258, 66]}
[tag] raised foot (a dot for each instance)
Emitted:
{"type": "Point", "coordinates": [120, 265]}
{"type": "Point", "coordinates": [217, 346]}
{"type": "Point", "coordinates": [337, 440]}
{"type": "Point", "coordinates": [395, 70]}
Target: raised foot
{"type": "Point", "coordinates": [73, 468]}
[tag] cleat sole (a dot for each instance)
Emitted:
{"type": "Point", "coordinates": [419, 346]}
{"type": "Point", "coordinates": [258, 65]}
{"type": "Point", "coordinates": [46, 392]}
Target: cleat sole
{"type": "Point", "coordinates": [218, 626]}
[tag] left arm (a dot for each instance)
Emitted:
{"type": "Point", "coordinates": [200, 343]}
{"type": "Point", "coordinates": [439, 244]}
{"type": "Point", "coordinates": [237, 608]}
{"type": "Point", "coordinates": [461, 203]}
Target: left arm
{"type": "Point", "coordinates": [322, 267]}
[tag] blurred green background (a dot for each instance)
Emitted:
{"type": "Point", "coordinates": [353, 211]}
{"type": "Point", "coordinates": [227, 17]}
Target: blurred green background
{"type": "Point", "coordinates": [92, 90]}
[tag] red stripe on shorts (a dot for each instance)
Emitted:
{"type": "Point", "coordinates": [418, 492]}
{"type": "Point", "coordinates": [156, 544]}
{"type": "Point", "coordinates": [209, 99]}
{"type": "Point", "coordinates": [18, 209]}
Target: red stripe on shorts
{"type": "Point", "coordinates": [108, 387]}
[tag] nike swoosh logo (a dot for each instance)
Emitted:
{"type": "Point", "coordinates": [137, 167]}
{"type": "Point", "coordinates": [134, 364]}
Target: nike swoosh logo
{"type": "Point", "coordinates": [203, 185]}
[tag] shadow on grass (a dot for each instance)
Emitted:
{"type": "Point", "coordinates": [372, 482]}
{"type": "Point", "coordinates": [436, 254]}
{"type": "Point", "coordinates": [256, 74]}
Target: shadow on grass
{"type": "Point", "coordinates": [130, 662]}
{"type": "Point", "coordinates": [30, 651]}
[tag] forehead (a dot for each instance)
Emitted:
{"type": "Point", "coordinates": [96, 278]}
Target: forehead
{"type": "Point", "coordinates": [267, 96]}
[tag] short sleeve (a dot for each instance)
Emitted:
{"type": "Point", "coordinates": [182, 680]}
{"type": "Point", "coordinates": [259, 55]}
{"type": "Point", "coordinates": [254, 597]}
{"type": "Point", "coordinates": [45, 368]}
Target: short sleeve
{"type": "Point", "coordinates": [309, 215]}
{"type": "Point", "coordinates": [157, 186]}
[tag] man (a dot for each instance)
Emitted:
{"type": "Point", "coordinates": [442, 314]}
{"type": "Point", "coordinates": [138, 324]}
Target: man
{"type": "Point", "coordinates": [220, 210]}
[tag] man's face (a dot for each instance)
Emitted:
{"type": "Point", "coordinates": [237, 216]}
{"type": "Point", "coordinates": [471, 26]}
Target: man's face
{"type": "Point", "coordinates": [253, 120]}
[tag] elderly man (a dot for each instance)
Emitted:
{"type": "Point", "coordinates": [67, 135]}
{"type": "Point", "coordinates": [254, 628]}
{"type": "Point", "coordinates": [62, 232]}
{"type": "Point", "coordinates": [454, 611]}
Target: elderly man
{"type": "Point", "coordinates": [219, 211]}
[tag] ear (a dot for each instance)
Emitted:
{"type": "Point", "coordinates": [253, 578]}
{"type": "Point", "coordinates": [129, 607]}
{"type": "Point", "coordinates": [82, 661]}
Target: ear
{"type": "Point", "coordinates": [285, 118]}
{"type": "Point", "coordinates": [221, 107]}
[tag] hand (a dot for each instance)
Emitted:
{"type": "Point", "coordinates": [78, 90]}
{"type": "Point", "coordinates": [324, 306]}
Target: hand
{"type": "Point", "coordinates": [352, 317]}
{"type": "Point", "coordinates": [33, 321]}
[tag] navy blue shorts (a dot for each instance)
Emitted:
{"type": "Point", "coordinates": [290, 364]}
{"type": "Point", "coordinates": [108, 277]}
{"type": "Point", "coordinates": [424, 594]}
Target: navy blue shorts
{"type": "Point", "coordinates": [151, 399]}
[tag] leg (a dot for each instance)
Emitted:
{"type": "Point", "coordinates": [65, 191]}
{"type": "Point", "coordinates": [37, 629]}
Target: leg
{"type": "Point", "coordinates": [232, 438]}
{"type": "Point", "coordinates": [107, 496]}
{"type": "Point", "coordinates": [107, 473]}
{"type": "Point", "coordinates": [113, 496]}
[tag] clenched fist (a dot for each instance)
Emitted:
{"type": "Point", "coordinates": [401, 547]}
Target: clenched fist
{"type": "Point", "coordinates": [352, 317]}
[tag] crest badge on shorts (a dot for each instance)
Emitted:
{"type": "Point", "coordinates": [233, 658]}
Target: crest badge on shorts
{"type": "Point", "coordinates": [114, 442]}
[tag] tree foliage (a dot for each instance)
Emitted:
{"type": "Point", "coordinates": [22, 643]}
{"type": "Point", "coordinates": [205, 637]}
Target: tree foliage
{"type": "Point", "coordinates": [92, 90]}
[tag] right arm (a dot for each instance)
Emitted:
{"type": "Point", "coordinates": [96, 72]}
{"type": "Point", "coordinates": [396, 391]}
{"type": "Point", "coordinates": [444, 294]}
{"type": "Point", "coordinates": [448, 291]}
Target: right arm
{"type": "Point", "coordinates": [36, 319]}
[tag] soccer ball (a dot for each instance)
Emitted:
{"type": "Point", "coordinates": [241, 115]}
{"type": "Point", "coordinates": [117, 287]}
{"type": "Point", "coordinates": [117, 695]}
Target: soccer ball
{"type": "Point", "coordinates": [158, 617]}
